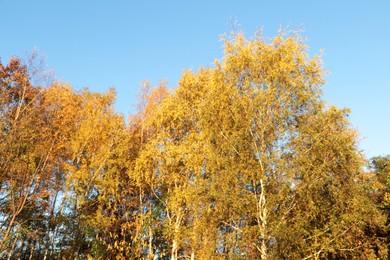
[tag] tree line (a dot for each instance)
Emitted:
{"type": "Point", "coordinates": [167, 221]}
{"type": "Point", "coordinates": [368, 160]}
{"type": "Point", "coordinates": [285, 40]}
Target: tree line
{"type": "Point", "coordinates": [242, 160]}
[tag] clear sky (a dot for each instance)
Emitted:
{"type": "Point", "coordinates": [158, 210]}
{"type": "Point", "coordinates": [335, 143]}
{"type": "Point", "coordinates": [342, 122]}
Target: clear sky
{"type": "Point", "coordinates": [100, 44]}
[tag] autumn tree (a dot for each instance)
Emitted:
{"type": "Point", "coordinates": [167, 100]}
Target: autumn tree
{"type": "Point", "coordinates": [60, 166]}
{"type": "Point", "coordinates": [248, 161]}
{"type": "Point", "coordinates": [30, 151]}
{"type": "Point", "coordinates": [381, 168]}
{"type": "Point", "coordinates": [243, 160]}
{"type": "Point", "coordinates": [379, 191]}
{"type": "Point", "coordinates": [25, 157]}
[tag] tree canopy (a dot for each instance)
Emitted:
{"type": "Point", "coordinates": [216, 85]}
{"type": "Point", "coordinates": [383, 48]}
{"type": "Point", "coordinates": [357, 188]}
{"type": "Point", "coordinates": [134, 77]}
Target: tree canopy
{"type": "Point", "coordinates": [242, 160]}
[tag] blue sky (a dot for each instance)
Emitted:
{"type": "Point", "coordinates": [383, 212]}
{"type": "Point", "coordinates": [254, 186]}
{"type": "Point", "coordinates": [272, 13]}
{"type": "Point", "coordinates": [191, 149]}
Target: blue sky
{"type": "Point", "coordinates": [100, 44]}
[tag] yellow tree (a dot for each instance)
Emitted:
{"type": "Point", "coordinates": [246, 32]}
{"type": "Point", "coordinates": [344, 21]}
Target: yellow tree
{"type": "Point", "coordinates": [93, 170]}
{"type": "Point", "coordinates": [27, 151]}
{"type": "Point", "coordinates": [232, 152]}
{"type": "Point", "coordinates": [241, 160]}
{"type": "Point", "coordinates": [32, 149]}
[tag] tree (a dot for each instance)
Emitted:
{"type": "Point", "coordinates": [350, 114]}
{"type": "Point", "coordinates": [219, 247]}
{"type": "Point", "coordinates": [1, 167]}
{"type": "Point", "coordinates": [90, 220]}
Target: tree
{"type": "Point", "coordinates": [379, 190]}
{"type": "Point", "coordinates": [381, 167]}
{"type": "Point", "coordinates": [243, 160]}
{"type": "Point", "coordinates": [25, 156]}
{"type": "Point", "coordinates": [248, 161]}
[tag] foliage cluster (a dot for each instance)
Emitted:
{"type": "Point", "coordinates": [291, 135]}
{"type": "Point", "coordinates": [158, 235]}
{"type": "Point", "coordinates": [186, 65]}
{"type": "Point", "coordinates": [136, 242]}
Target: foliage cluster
{"type": "Point", "coordinates": [241, 161]}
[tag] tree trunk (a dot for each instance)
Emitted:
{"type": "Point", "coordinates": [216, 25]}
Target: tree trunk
{"type": "Point", "coordinates": [262, 219]}
{"type": "Point", "coordinates": [32, 250]}
{"type": "Point", "coordinates": [151, 254]}
{"type": "Point", "coordinates": [175, 245]}
{"type": "Point", "coordinates": [12, 248]}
